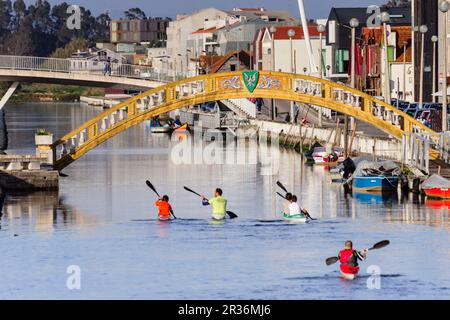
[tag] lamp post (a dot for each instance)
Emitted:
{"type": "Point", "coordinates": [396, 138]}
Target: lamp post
{"type": "Point", "coordinates": [444, 6]}
{"type": "Point", "coordinates": [423, 29]}
{"type": "Point", "coordinates": [291, 34]}
{"type": "Point", "coordinates": [321, 30]}
{"type": "Point", "coordinates": [405, 43]}
{"type": "Point", "coordinates": [434, 40]}
{"type": "Point", "coordinates": [272, 31]}
{"type": "Point", "coordinates": [385, 18]}
{"type": "Point", "coordinates": [354, 23]}
{"type": "Point", "coordinates": [238, 47]}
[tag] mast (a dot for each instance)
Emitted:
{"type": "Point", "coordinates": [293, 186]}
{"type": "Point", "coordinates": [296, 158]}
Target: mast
{"type": "Point", "coordinates": [312, 63]}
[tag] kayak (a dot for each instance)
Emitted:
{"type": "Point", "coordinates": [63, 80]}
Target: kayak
{"type": "Point", "coordinates": [298, 218]}
{"type": "Point", "coordinates": [349, 273]}
{"type": "Point", "coordinates": [349, 276]}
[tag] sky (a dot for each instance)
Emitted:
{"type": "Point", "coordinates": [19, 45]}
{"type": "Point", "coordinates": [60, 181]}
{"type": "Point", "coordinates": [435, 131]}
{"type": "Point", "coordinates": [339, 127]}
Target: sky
{"type": "Point", "coordinates": [170, 8]}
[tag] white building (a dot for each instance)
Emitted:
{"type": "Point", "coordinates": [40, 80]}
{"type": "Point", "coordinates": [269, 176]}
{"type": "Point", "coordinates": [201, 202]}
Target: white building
{"type": "Point", "coordinates": [94, 59]}
{"type": "Point", "coordinates": [286, 60]}
{"type": "Point", "coordinates": [205, 32]}
{"type": "Point", "coordinates": [179, 31]}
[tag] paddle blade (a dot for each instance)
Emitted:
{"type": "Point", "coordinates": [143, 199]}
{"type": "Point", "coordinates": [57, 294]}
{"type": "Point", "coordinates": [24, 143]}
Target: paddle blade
{"type": "Point", "coordinates": [281, 186]}
{"type": "Point", "coordinates": [331, 260]}
{"type": "Point", "coordinates": [150, 185]}
{"type": "Point", "coordinates": [192, 191]}
{"type": "Point", "coordinates": [281, 195]}
{"type": "Point", "coordinates": [380, 244]}
{"type": "Point", "coordinates": [232, 215]}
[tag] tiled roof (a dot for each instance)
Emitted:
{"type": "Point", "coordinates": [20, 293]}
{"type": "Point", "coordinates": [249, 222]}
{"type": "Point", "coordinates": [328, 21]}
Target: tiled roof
{"type": "Point", "coordinates": [282, 32]}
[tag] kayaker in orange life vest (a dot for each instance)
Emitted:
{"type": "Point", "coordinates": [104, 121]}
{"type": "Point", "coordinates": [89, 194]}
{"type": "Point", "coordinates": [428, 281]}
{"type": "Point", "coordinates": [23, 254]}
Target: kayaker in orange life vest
{"type": "Point", "coordinates": [349, 258]}
{"type": "Point", "coordinates": [164, 208]}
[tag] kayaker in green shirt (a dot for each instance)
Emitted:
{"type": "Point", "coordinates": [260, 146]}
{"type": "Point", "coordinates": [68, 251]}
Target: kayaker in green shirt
{"type": "Point", "coordinates": [218, 203]}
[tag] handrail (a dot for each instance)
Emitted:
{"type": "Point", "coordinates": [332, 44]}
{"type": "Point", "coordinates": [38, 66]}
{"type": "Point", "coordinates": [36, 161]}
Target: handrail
{"type": "Point", "coordinates": [230, 85]}
{"type": "Point", "coordinates": [81, 66]}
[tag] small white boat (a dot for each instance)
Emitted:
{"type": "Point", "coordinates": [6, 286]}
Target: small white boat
{"type": "Point", "coordinates": [321, 156]}
{"type": "Point", "coordinates": [164, 129]}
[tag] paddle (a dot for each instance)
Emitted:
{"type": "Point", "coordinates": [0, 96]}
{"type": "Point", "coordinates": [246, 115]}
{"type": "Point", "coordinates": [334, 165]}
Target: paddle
{"type": "Point", "coordinates": [305, 212]}
{"type": "Point", "coordinates": [150, 185]}
{"type": "Point", "coordinates": [378, 245]}
{"type": "Point", "coordinates": [230, 214]}
{"type": "Point", "coordinates": [281, 186]}
{"type": "Point", "coordinates": [281, 196]}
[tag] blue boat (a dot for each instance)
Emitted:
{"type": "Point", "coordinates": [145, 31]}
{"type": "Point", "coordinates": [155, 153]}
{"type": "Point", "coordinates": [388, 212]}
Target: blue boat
{"type": "Point", "coordinates": [377, 177]}
{"type": "Point", "coordinates": [375, 184]}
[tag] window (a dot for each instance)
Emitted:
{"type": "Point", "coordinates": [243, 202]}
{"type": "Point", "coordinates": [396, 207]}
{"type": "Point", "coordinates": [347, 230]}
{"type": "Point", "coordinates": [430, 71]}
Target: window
{"type": "Point", "coordinates": [232, 67]}
{"type": "Point", "coordinates": [341, 59]}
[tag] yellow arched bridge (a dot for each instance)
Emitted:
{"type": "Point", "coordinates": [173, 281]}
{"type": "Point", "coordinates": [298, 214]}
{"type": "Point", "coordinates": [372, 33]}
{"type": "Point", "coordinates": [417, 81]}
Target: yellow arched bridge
{"type": "Point", "coordinates": [233, 85]}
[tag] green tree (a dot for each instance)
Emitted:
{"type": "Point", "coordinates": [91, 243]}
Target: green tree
{"type": "Point", "coordinates": [20, 11]}
{"type": "Point", "coordinates": [5, 20]}
{"type": "Point", "coordinates": [135, 13]}
{"type": "Point", "coordinates": [20, 43]}
{"type": "Point", "coordinates": [103, 22]}
{"type": "Point", "coordinates": [70, 48]}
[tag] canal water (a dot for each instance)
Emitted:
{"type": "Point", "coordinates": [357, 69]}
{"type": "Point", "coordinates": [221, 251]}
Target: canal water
{"type": "Point", "coordinates": [101, 226]}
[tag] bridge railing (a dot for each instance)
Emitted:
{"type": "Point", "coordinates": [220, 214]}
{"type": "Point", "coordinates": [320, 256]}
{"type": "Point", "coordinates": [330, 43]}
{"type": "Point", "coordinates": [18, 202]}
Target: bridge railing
{"type": "Point", "coordinates": [82, 67]}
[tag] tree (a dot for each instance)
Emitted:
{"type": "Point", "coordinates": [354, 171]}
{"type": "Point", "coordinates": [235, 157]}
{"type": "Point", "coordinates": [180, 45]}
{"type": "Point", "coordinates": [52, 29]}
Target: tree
{"type": "Point", "coordinates": [73, 46]}
{"type": "Point", "coordinates": [102, 23]}
{"type": "Point", "coordinates": [397, 4]}
{"type": "Point", "coordinates": [21, 43]}
{"type": "Point", "coordinates": [135, 13]}
{"type": "Point", "coordinates": [20, 11]}
{"type": "Point", "coordinates": [5, 20]}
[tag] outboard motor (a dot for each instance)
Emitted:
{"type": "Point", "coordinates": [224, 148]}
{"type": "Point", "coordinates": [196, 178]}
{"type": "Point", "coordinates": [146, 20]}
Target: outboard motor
{"type": "Point", "coordinates": [3, 132]}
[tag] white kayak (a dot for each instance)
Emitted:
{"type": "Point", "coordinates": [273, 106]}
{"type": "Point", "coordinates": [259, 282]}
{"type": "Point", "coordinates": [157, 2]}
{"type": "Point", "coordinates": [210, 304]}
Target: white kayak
{"type": "Point", "coordinates": [349, 276]}
{"type": "Point", "coordinates": [298, 218]}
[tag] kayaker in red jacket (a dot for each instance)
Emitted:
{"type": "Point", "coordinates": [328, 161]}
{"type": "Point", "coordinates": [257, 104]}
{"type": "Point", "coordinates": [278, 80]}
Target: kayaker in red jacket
{"type": "Point", "coordinates": [349, 258]}
{"type": "Point", "coordinates": [164, 208]}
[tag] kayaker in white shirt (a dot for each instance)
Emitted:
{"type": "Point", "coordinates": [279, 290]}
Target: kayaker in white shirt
{"type": "Point", "coordinates": [287, 203]}
{"type": "Point", "coordinates": [294, 208]}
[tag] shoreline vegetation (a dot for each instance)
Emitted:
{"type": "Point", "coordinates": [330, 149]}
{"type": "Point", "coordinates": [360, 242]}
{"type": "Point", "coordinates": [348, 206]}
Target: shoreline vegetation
{"type": "Point", "coordinates": [51, 93]}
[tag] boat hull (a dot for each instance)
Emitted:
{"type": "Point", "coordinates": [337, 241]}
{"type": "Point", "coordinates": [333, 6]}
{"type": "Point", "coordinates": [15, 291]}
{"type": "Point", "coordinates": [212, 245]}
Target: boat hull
{"type": "Point", "coordinates": [375, 184]}
{"type": "Point", "coordinates": [349, 276]}
{"type": "Point", "coordinates": [437, 193]}
{"type": "Point", "coordinates": [295, 219]}
{"type": "Point", "coordinates": [161, 129]}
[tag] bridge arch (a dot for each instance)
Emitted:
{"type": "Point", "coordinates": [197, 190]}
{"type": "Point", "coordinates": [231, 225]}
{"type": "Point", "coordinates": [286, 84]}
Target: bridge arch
{"type": "Point", "coordinates": [232, 85]}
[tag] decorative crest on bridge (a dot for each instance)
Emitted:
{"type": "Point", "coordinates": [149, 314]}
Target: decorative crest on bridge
{"type": "Point", "coordinates": [251, 79]}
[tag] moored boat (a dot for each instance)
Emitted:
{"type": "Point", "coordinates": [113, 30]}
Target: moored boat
{"type": "Point", "coordinates": [183, 128]}
{"type": "Point", "coordinates": [309, 154]}
{"type": "Point", "coordinates": [437, 187]}
{"type": "Point", "coordinates": [322, 157]}
{"type": "Point", "coordinates": [377, 177]}
{"type": "Point", "coordinates": [375, 183]}
{"type": "Point", "coordinates": [161, 129]}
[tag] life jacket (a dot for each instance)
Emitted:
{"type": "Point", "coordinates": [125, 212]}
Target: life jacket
{"type": "Point", "coordinates": [349, 263]}
{"type": "Point", "coordinates": [164, 209]}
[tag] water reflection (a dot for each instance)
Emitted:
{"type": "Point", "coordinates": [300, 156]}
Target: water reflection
{"type": "Point", "coordinates": [386, 199]}
{"type": "Point", "coordinates": [107, 184]}
{"type": "Point", "coordinates": [43, 211]}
